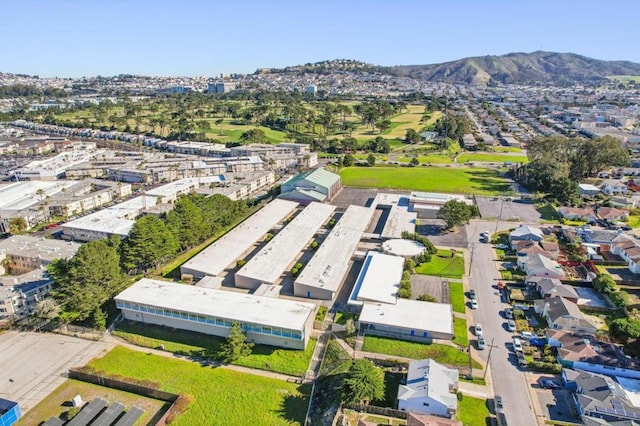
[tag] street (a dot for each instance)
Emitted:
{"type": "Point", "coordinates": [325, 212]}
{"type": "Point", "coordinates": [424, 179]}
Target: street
{"type": "Point", "coordinates": [508, 380]}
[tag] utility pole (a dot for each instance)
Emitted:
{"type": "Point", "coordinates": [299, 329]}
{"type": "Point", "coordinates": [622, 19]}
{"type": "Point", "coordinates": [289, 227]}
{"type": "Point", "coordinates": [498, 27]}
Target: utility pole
{"type": "Point", "coordinates": [491, 346]}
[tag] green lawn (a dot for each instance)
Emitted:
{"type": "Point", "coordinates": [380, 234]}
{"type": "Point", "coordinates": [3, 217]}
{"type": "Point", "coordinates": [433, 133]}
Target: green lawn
{"type": "Point", "coordinates": [220, 396]}
{"type": "Point", "coordinates": [634, 221]}
{"type": "Point", "coordinates": [342, 317]}
{"type": "Point", "coordinates": [444, 354]}
{"type": "Point", "coordinates": [460, 332]}
{"type": "Point", "coordinates": [461, 180]}
{"type": "Point", "coordinates": [426, 159]}
{"type": "Point", "coordinates": [443, 264]}
{"type": "Point", "coordinates": [473, 411]}
{"type": "Point", "coordinates": [456, 294]}
{"type": "Point", "coordinates": [286, 361]}
{"type": "Point", "coordinates": [548, 213]}
{"type": "Point", "coordinates": [506, 149]}
{"type": "Point", "coordinates": [493, 158]}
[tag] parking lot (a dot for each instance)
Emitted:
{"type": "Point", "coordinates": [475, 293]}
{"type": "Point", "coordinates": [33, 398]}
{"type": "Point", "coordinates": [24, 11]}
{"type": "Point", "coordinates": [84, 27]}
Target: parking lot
{"type": "Point", "coordinates": [34, 364]}
{"type": "Point", "coordinates": [501, 208]}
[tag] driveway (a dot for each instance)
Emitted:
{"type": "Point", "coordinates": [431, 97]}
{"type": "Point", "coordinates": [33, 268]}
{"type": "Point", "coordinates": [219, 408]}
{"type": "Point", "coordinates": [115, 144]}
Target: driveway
{"type": "Point", "coordinates": [34, 364]}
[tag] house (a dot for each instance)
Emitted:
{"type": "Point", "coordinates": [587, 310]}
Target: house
{"type": "Point", "coordinates": [525, 248]}
{"type": "Point", "coordinates": [562, 314]}
{"type": "Point", "coordinates": [525, 232]}
{"type": "Point", "coordinates": [414, 419]}
{"type": "Point", "coordinates": [552, 248]}
{"type": "Point", "coordinates": [575, 213]}
{"type": "Point", "coordinates": [585, 189]}
{"type": "Point", "coordinates": [551, 287]}
{"type": "Point", "coordinates": [428, 136]}
{"type": "Point", "coordinates": [613, 214]}
{"type": "Point", "coordinates": [583, 352]}
{"type": "Point", "coordinates": [430, 389]}
{"type": "Point", "coordinates": [600, 397]}
{"type": "Point", "coordinates": [613, 186]}
{"type": "Point", "coordinates": [597, 236]}
{"type": "Point", "coordinates": [540, 266]}
{"type": "Point", "coordinates": [627, 248]}
{"type": "Point", "coordinates": [312, 185]}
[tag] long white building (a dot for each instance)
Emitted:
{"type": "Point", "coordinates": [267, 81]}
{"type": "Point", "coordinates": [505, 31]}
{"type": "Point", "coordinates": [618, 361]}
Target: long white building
{"type": "Point", "coordinates": [265, 320]}
{"type": "Point", "coordinates": [225, 251]}
{"type": "Point", "coordinates": [269, 263]}
{"type": "Point", "coordinates": [322, 276]}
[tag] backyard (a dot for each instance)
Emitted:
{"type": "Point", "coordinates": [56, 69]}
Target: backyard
{"type": "Point", "coordinates": [218, 393]}
{"type": "Point", "coordinates": [438, 179]}
{"type": "Point", "coordinates": [444, 354]}
{"type": "Point", "coordinates": [473, 411]}
{"type": "Point", "coordinates": [286, 361]}
{"type": "Point", "coordinates": [443, 264]}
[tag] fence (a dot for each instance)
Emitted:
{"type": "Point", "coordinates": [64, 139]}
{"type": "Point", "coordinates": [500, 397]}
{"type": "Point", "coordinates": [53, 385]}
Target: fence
{"type": "Point", "coordinates": [122, 385]}
{"type": "Point", "coordinates": [374, 409]}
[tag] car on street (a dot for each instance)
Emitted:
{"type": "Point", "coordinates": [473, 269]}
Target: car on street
{"type": "Point", "coordinates": [484, 234]}
{"type": "Point", "coordinates": [511, 325]}
{"type": "Point", "coordinates": [517, 344]}
{"type": "Point", "coordinates": [526, 335]}
{"type": "Point", "coordinates": [477, 329]}
{"type": "Point", "coordinates": [474, 304]}
{"type": "Point", "coordinates": [521, 359]}
{"type": "Point", "coordinates": [472, 294]}
{"type": "Point", "coordinates": [508, 313]}
{"type": "Point", "coordinates": [498, 403]}
{"type": "Point", "coordinates": [481, 343]}
{"type": "Point", "coordinates": [548, 384]}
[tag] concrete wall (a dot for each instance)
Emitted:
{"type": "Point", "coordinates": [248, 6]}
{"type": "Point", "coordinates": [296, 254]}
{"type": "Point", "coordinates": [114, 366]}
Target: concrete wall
{"type": "Point", "coordinates": [402, 333]}
{"type": "Point", "coordinates": [220, 331]}
{"type": "Point", "coordinates": [302, 290]}
{"type": "Point", "coordinates": [416, 405]}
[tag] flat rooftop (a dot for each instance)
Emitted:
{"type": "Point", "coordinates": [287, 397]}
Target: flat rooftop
{"type": "Point", "coordinates": [118, 219]}
{"type": "Point", "coordinates": [400, 219]}
{"type": "Point", "coordinates": [22, 245]}
{"type": "Point", "coordinates": [268, 264]}
{"type": "Point", "coordinates": [410, 314]}
{"type": "Point", "coordinates": [226, 250]}
{"type": "Point", "coordinates": [229, 305]}
{"type": "Point", "coordinates": [330, 263]}
{"type": "Point", "coordinates": [183, 186]}
{"type": "Point", "coordinates": [379, 279]}
{"type": "Point", "coordinates": [22, 195]}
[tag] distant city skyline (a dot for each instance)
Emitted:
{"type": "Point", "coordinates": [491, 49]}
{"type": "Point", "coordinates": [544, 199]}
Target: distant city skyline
{"type": "Point", "coordinates": [67, 38]}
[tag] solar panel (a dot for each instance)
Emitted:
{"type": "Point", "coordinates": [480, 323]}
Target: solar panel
{"type": "Point", "coordinates": [130, 417]}
{"type": "Point", "coordinates": [88, 413]}
{"type": "Point", "coordinates": [53, 421]}
{"type": "Point", "coordinates": [109, 415]}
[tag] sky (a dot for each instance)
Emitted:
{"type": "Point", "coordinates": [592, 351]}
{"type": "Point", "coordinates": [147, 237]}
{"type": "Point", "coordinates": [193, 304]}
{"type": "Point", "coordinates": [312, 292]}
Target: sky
{"type": "Point", "coordinates": [75, 38]}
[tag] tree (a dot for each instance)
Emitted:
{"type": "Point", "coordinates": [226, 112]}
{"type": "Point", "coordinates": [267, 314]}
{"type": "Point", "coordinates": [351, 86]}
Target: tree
{"type": "Point", "coordinates": [371, 160]}
{"type": "Point", "coordinates": [620, 298]}
{"type": "Point", "coordinates": [625, 328]}
{"type": "Point", "coordinates": [149, 243]}
{"type": "Point", "coordinates": [364, 382]}
{"type": "Point", "coordinates": [604, 283]}
{"type": "Point", "coordinates": [17, 225]}
{"type": "Point", "coordinates": [350, 327]}
{"type": "Point", "coordinates": [411, 136]}
{"type": "Point", "coordinates": [348, 160]}
{"type": "Point", "coordinates": [186, 223]}
{"type": "Point", "coordinates": [84, 283]}
{"type": "Point", "coordinates": [414, 161]}
{"type": "Point", "coordinates": [253, 136]}
{"type": "Point", "coordinates": [455, 213]}
{"type": "Point", "coordinates": [47, 309]}
{"type": "Point", "coordinates": [236, 345]}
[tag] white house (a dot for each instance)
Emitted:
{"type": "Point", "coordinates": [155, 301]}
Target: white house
{"type": "Point", "coordinates": [575, 213]}
{"type": "Point", "coordinates": [538, 265]}
{"type": "Point", "coordinates": [562, 314]}
{"type": "Point", "coordinates": [430, 389]}
{"type": "Point", "coordinates": [525, 233]}
{"type": "Point", "coordinates": [613, 186]}
{"type": "Point", "coordinates": [586, 189]}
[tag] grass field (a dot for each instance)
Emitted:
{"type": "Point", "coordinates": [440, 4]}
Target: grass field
{"type": "Point", "coordinates": [625, 78]}
{"type": "Point", "coordinates": [444, 354]}
{"type": "Point", "coordinates": [456, 294]}
{"type": "Point", "coordinates": [460, 332]}
{"type": "Point", "coordinates": [220, 396]}
{"type": "Point", "coordinates": [492, 158]}
{"type": "Point", "coordinates": [473, 412]}
{"type": "Point", "coordinates": [506, 149]}
{"type": "Point", "coordinates": [57, 402]}
{"type": "Point", "coordinates": [286, 361]}
{"type": "Point", "coordinates": [442, 264]}
{"type": "Point", "coordinates": [426, 159]}
{"type": "Point", "coordinates": [438, 179]}
{"type": "Point", "coordinates": [548, 213]}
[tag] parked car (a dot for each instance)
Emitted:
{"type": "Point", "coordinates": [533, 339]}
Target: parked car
{"type": "Point", "coordinates": [517, 344]}
{"type": "Point", "coordinates": [526, 335]}
{"type": "Point", "coordinates": [548, 384]}
{"type": "Point", "coordinates": [498, 402]}
{"type": "Point", "coordinates": [484, 234]}
{"type": "Point", "coordinates": [474, 304]}
{"type": "Point", "coordinates": [521, 359]}
{"type": "Point", "coordinates": [478, 329]}
{"type": "Point", "coordinates": [508, 313]}
{"type": "Point", "coordinates": [472, 294]}
{"type": "Point", "coordinates": [511, 325]}
{"type": "Point", "coordinates": [481, 343]}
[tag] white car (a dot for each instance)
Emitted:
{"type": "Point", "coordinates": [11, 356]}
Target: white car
{"type": "Point", "coordinates": [511, 325]}
{"type": "Point", "coordinates": [481, 343]}
{"type": "Point", "coordinates": [478, 329]}
{"type": "Point", "coordinates": [499, 406]}
{"type": "Point", "coordinates": [526, 335]}
{"type": "Point", "coordinates": [517, 344]}
{"type": "Point", "coordinates": [484, 234]}
{"type": "Point", "coordinates": [474, 304]}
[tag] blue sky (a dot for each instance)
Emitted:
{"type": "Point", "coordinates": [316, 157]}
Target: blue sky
{"type": "Point", "coordinates": [76, 38]}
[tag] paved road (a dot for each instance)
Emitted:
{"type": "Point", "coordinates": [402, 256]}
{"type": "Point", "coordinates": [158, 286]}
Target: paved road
{"type": "Point", "coordinates": [508, 380]}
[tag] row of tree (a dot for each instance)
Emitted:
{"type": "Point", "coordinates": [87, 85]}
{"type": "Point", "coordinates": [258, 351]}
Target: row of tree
{"type": "Point", "coordinates": [557, 164]}
{"type": "Point", "coordinates": [100, 269]}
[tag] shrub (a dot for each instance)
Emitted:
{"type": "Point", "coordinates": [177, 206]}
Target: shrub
{"type": "Point", "coordinates": [268, 237]}
{"type": "Point", "coordinates": [604, 283]}
{"type": "Point", "coordinates": [322, 312]}
{"type": "Point", "coordinates": [545, 367]}
{"type": "Point", "coordinates": [427, 298]}
{"type": "Point", "coordinates": [620, 298]}
{"type": "Point", "coordinates": [314, 245]}
{"type": "Point", "coordinates": [240, 263]}
{"type": "Point", "coordinates": [404, 293]}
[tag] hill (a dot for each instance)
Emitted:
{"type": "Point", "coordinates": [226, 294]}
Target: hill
{"type": "Point", "coordinates": [520, 68]}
